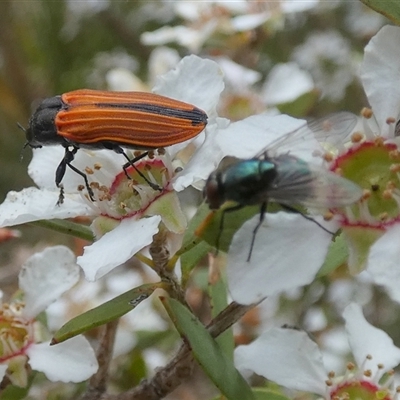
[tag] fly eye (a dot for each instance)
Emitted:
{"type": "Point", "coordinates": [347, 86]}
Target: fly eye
{"type": "Point", "coordinates": [213, 193]}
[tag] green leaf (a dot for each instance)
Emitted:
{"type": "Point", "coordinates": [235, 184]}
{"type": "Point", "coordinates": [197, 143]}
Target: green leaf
{"type": "Point", "coordinates": [14, 393]}
{"type": "Point", "coordinates": [388, 8]}
{"type": "Point", "coordinates": [218, 292]}
{"type": "Point", "coordinates": [190, 234]}
{"type": "Point", "coordinates": [268, 394]}
{"type": "Point", "coordinates": [211, 228]}
{"type": "Point", "coordinates": [301, 106]}
{"type": "Point", "coordinates": [263, 394]}
{"type": "Point", "coordinates": [66, 227]}
{"type": "Point", "coordinates": [193, 249]}
{"type": "Point", "coordinates": [207, 352]}
{"type": "Point", "coordinates": [163, 340]}
{"type": "Point", "coordinates": [338, 254]}
{"type": "Point", "coordinates": [191, 259]}
{"type": "Point", "coordinates": [105, 313]}
{"type": "Point", "coordinates": [133, 371]}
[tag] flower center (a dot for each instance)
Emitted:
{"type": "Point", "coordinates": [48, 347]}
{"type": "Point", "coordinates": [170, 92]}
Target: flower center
{"type": "Point", "coordinates": [361, 383]}
{"type": "Point", "coordinates": [16, 333]}
{"type": "Point", "coordinates": [134, 193]}
{"type": "Point", "coordinates": [129, 193]}
{"type": "Point", "coordinates": [359, 390]}
{"type": "Point", "coordinates": [375, 166]}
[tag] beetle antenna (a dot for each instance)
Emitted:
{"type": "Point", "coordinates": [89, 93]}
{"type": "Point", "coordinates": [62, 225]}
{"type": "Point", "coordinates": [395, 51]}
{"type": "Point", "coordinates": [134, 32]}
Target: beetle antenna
{"type": "Point", "coordinates": [21, 154]}
{"type": "Point", "coordinates": [21, 127]}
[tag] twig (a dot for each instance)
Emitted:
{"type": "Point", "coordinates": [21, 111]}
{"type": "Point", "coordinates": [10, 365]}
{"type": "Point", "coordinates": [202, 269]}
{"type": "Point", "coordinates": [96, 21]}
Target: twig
{"type": "Point", "coordinates": [98, 382]}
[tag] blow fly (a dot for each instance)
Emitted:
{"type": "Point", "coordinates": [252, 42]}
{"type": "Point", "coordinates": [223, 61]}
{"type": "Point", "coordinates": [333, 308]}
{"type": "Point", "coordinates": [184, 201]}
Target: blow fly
{"type": "Point", "coordinates": [275, 175]}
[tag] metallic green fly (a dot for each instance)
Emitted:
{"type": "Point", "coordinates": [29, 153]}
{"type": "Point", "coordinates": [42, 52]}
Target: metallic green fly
{"type": "Point", "coordinates": [275, 175]}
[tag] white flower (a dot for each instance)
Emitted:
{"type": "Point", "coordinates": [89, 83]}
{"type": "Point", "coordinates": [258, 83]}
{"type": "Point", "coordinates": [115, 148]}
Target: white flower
{"type": "Point", "coordinates": [324, 48]}
{"type": "Point", "coordinates": [43, 279]}
{"type": "Point", "coordinates": [290, 358]}
{"type": "Point", "coordinates": [204, 19]}
{"type": "Point", "coordinates": [286, 83]}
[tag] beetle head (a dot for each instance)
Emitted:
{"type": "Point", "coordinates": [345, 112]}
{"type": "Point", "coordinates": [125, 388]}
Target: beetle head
{"type": "Point", "coordinates": [42, 130]}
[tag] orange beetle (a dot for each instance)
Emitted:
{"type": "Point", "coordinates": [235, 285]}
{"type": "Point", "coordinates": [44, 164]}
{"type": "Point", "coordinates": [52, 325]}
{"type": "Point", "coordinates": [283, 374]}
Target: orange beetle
{"type": "Point", "coordinates": [97, 119]}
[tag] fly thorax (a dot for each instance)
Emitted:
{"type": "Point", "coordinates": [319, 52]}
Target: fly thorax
{"type": "Point", "coordinates": [247, 182]}
{"type": "Point", "coordinates": [267, 173]}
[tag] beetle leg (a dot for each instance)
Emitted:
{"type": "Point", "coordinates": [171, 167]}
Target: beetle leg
{"type": "Point", "coordinates": [132, 162]}
{"type": "Point", "coordinates": [60, 172]}
{"type": "Point", "coordinates": [61, 195]}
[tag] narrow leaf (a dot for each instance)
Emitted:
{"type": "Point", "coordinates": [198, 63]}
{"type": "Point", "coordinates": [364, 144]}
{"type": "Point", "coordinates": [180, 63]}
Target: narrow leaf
{"type": "Point", "coordinates": [106, 312]}
{"type": "Point", "coordinates": [67, 227]}
{"type": "Point", "coordinates": [218, 292]}
{"type": "Point", "coordinates": [193, 249]}
{"type": "Point", "coordinates": [210, 230]}
{"type": "Point", "coordinates": [207, 352]}
{"type": "Point", "coordinates": [388, 8]}
{"type": "Point", "coordinates": [263, 394]}
{"type": "Point", "coordinates": [267, 394]}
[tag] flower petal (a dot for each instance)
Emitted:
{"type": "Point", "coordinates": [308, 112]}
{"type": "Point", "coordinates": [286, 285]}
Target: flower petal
{"type": "Point", "coordinates": [45, 161]}
{"type": "Point", "coordinates": [366, 340]}
{"type": "Point", "coordinates": [246, 138]}
{"type": "Point", "coordinates": [117, 246]}
{"type": "Point", "coordinates": [247, 22]}
{"type": "Point", "coordinates": [3, 369]}
{"type": "Point", "coordinates": [46, 276]}
{"type": "Point", "coordinates": [70, 361]}
{"type": "Point", "coordinates": [33, 204]}
{"type": "Point", "coordinates": [282, 354]}
{"type": "Point", "coordinates": [203, 162]}
{"type": "Point", "coordinates": [196, 81]}
{"type": "Point", "coordinates": [286, 82]}
{"type": "Point", "coordinates": [287, 253]}
{"type": "Point", "coordinates": [383, 262]}
{"type": "Point", "coordinates": [237, 75]}
{"type": "Point", "coordinates": [289, 6]}
{"type": "Point", "coordinates": [380, 75]}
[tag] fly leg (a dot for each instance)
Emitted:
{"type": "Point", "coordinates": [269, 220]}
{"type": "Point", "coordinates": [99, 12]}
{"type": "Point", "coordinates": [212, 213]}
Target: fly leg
{"type": "Point", "coordinates": [294, 210]}
{"type": "Point", "coordinates": [263, 209]}
{"type": "Point", "coordinates": [221, 224]}
{"type": "Point", "coordinates": [60, 172]}
{"type": "Point", "coordinates": [132, 162]}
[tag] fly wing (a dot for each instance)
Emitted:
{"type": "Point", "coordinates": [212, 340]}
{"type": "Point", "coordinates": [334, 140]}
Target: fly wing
{"type": "Point", "coordinates": [332, 129]}
{"type": "Point", "coordinates": [335, 128]}
{"type": "Point", "coordinates": [298, 182]}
